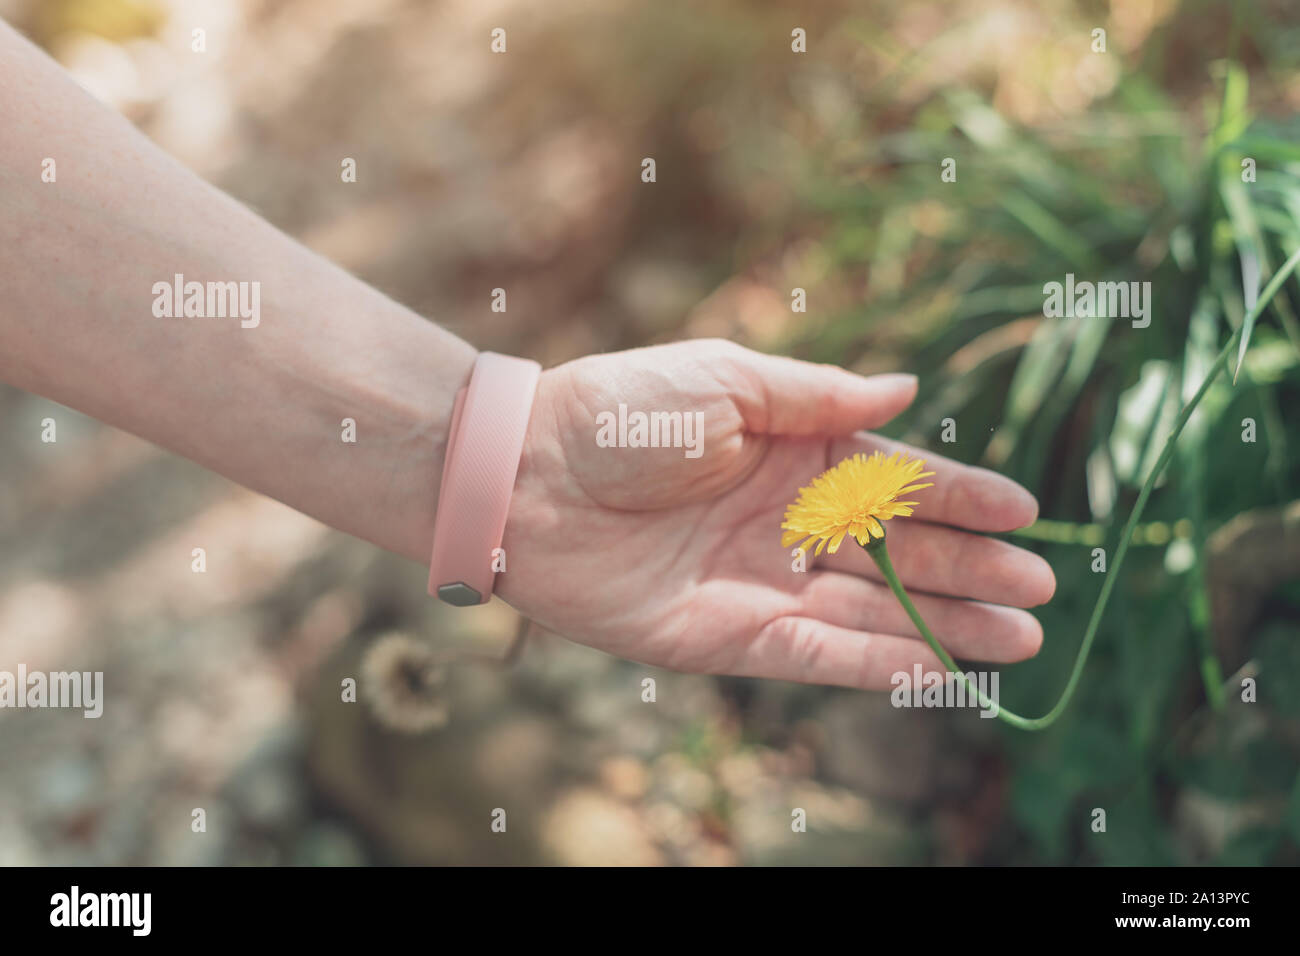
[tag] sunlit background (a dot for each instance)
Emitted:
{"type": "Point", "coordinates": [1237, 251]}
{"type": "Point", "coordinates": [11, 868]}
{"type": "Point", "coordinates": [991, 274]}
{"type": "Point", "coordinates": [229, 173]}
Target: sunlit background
{"type": "Point", "coordinates": [776, 171]}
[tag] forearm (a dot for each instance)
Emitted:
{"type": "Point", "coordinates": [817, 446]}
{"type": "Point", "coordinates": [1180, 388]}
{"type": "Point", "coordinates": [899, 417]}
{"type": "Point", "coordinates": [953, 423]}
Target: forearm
{"type": "Point", "coordinates": [262, 405]}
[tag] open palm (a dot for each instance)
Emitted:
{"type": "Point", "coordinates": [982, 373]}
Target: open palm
{"type": "Point", "coordinates": [677, 561]}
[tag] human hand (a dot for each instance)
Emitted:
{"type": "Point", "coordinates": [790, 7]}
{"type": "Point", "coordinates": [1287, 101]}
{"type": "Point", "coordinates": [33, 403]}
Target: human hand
{"type": "Point", "coordinates": [676, 561]}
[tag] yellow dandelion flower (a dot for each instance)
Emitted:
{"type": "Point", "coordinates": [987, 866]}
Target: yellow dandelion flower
{"type": "Point", "coordinates": [853, 498]}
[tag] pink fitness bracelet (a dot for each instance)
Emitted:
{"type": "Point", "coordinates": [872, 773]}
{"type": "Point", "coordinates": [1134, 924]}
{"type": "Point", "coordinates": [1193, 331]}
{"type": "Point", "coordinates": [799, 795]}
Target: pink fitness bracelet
{"type": "Point", "coordinates": [488, 422]}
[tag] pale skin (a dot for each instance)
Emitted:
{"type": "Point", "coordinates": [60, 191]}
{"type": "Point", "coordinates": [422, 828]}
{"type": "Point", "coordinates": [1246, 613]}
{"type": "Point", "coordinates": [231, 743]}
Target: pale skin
{"type": "Point", "coordinates": [643, 553]}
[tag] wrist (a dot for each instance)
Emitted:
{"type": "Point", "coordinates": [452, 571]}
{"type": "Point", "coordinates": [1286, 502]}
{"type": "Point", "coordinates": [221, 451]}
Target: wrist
{"type": "Point", "coordinates": [539, 488]}
{"type": "Point", "coordinates": [410, 420]}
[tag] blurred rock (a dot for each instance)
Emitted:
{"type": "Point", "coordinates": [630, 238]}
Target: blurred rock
{"type": "Point", "coordinates": [587, 828]}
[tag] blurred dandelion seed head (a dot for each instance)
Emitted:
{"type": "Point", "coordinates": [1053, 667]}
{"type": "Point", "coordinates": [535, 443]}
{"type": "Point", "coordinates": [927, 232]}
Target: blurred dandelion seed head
{"type": "Point", "coordinates": [401, 682]}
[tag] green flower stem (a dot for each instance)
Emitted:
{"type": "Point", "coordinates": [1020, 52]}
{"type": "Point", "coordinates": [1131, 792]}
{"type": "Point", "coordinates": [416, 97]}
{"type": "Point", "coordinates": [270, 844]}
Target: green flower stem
{"type": "Point", "coordinates": [1150, 533]}
{"type": "Point", "coordinates": [880, 553]}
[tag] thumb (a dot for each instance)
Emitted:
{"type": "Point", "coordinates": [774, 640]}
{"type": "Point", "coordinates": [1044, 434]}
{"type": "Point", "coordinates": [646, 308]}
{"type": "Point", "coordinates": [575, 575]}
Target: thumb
{"type": "Point", "coordinates": [785, 396]}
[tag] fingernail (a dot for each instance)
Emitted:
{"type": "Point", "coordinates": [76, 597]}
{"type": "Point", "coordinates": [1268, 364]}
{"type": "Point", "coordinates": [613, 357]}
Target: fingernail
{"type": "Point", "coordinates": [1023, 497]}
{"type": "Point", "coordinates": [892, 380]}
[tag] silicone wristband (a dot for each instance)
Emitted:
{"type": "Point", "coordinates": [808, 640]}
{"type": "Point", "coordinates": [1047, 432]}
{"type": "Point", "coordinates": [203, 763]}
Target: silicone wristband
{"type": "Point", "coordinates": [486, 440]}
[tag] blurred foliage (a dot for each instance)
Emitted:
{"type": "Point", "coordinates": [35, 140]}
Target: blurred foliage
{"type": "Point", "coordinates": [1146, 185]}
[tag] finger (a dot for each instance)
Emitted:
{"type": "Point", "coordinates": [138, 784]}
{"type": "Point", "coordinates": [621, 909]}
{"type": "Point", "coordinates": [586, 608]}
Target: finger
{"type": "Point", "coordinates": [970, 630]}
{"type": "Point", "coordinates": [963, 495]}
{"type": "Point", "coordinates": [942, 560]}
{"type": "Point", "coordinates": [784, 396]}
{"type": "Point", "coordinates": [809, 651]}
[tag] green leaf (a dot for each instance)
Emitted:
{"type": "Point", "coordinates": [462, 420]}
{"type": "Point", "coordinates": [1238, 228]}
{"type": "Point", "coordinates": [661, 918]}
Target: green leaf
{"type": "Point", "coordinates": [1291, 819]}
{"type": "Point", "coordinates": [1233, 116]}
{"type": "Point", "coordinates": [1251, 847]}
{"type": "Point", "coordinates": [1050, 230]}
{"type": "Point", "coordinates": [1041, 799]}
{"type": "Point", "coordinates": [1274, 284]}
